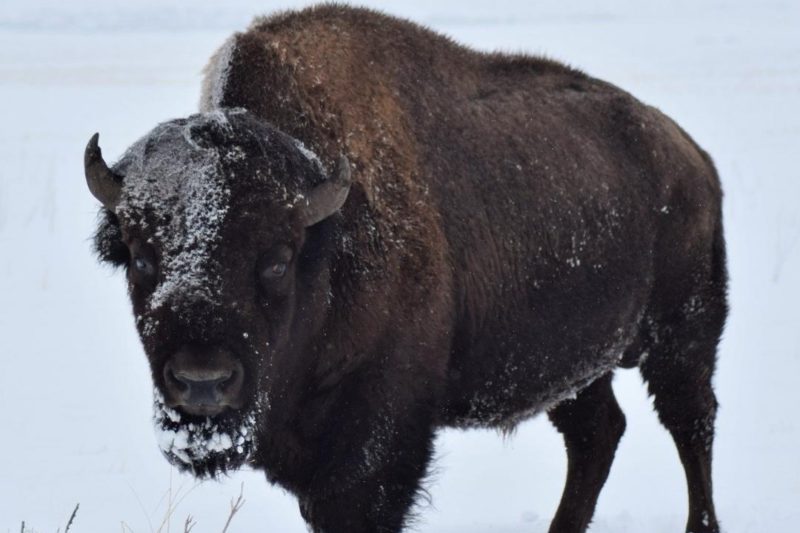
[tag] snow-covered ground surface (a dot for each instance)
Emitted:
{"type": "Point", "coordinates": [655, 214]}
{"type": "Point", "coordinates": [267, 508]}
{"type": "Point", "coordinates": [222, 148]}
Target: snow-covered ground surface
{"type": "Point", "coordinates": [75, 396]}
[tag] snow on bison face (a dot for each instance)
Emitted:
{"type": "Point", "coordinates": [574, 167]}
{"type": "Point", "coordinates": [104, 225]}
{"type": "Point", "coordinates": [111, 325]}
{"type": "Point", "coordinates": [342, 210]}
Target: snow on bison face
{"type": "Point", "coordinates": [222, 223]}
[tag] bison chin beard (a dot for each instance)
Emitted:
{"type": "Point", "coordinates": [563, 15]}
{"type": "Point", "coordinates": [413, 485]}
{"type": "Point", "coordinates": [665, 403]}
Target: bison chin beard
{"type": "Point", "coordinates": [204, 446]}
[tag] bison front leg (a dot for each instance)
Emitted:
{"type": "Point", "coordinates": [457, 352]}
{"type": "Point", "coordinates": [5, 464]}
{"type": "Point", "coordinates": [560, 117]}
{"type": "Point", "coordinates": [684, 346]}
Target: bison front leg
{"type": "Point", "coordinates": [375, 464]}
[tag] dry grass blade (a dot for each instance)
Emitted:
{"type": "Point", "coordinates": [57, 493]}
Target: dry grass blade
{"type": "Point", "coordinates": [72, 517]}
{"type": "Point", "coordinates": [189, 524]}
{"type": "Point", "coordinates": [141, 506]}
{"type": "Point", "coordinates": [173, 501]}
{"type": "Point", "coordinates": [235, 506]}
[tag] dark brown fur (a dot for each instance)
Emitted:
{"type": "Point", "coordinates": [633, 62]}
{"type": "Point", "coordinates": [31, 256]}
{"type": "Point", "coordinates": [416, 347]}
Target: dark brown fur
{"type": "Point", "coordinates": [516, 229]}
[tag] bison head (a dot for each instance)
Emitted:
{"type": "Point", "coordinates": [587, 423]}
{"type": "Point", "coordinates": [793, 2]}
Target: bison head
{"type": "Point", "coordinates": [224, 226]}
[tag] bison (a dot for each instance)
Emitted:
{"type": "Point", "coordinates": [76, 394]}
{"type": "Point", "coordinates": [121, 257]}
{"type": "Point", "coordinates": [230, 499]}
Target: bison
{"type": "Point", "coordinates": [370, 232]}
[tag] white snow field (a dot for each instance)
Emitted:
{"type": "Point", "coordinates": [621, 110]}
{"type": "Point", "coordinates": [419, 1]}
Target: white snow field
{"type": "Point", "coordinates": [75, 393]}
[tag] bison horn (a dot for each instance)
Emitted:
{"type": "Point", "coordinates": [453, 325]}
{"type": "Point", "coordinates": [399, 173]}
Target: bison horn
{"type": "Point", "coordinates": [103, 183]}
{"type": "Point", "coordinates": [328, 197]}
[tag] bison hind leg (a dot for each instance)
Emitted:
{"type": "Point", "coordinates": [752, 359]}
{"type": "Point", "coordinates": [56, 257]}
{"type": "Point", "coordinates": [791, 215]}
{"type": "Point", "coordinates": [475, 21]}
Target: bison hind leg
{"type": "Point", "coordinates": [685, 324]}
{"type": "Point", "coordinates": [592, 425]}
{"type": "Point", "coordinates": [678, 371]}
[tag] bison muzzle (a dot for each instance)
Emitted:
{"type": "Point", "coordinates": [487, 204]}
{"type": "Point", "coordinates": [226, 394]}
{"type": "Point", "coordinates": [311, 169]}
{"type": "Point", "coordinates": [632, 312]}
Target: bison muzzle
{"type": "Point", "coordinates": [371, 232]}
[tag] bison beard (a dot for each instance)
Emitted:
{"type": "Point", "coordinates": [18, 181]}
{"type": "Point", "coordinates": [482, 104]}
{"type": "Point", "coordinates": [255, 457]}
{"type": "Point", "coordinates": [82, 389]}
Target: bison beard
{"type": "Point", "coordinates": [204, 446]}
{"type": "Point", "coordinates": [370, 232]}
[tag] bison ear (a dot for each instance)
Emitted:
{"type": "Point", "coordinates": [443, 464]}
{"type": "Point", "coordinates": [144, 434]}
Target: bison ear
{"type": "Point", "coordinates": [328, 197]}
{"type": "Point", "coordinates": [103, 183]}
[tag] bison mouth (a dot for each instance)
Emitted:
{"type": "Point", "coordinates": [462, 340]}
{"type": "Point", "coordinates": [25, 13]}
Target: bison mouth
{"type": "Point", "coordinates": [205, 446]}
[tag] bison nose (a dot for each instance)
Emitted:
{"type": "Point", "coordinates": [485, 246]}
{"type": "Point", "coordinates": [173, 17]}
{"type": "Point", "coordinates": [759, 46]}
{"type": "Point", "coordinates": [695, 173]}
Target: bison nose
{"type": "Point", "coordinates": [203, 384]}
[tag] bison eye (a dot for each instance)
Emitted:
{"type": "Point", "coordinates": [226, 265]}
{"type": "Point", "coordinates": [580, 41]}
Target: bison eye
{"type": "Point", "coordinates": [274, 265]}
{"type": "Point", "coordinates": [143, 267]}
{"type": "Point", "coordinates": [278, 270]}
{"type": "Point", "coordinates": [274, 271]}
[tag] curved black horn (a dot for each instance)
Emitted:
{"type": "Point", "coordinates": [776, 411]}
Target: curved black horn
{"type": "Point", "coordinates": [328, 197]}
{"type": "Point", "coordinates": [103, 183]}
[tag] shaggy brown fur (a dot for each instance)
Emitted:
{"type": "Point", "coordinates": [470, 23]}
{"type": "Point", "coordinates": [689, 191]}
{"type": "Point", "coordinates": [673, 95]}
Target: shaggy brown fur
{"type": "Point", "coordinates": [515, 230]}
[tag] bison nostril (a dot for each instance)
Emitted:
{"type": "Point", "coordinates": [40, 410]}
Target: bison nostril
{"type": "Point", "coordinates": [226, 383]}
{"type": "Point", "coordinates": [176, 382]}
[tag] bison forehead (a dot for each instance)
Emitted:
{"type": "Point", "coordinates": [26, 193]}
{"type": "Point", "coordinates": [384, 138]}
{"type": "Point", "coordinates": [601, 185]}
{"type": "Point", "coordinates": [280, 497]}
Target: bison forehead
{"type": "Point", "coordinates": [177, 195]}
{"type": "Point", "coordinates": [181, 181]}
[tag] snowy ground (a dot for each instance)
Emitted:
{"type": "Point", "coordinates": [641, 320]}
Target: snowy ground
{"type": "Point", "coordinates": [74, 387]}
